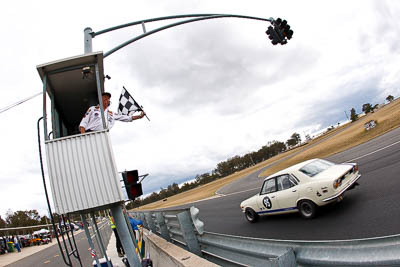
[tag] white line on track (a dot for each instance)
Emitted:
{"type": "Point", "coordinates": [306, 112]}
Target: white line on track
{"type": "Point", "coordinates": [373, 152]}
{"type": "Point", "coordinates": [222, 195]}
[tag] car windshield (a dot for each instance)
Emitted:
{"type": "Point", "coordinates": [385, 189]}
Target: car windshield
{"type": "Point", "coordinates": [315, 167]}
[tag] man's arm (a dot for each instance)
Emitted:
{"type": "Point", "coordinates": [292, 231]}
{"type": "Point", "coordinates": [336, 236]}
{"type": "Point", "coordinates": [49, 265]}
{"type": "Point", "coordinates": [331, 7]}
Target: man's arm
{"type": "Point", "coordinates": [138, 116]}
{"type": "Point", "coordinates": [126, 118]}
{"type": "Point", "coordinates": [85, 121]}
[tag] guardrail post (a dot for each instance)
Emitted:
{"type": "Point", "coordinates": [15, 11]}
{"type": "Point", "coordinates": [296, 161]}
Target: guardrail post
{"type": "Point", "coordinates": [188, 233]}
{"type": "Point", "coordinates": [199, 225]}
{"type": "Point", "coordinates": [288, 259]}
{"type": "Point", "coordinates": [163, 226]}
{"type": "Point", "coordinates": [150, 222]}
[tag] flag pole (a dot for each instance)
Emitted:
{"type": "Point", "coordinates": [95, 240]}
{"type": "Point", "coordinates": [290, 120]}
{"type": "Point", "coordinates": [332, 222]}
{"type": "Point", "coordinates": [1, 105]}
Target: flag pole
{"type": "Point", "coordinates": [141, 107]}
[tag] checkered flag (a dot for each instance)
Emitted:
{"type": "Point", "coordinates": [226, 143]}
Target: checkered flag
{"type": "Point", "coordinates": [127, 104]}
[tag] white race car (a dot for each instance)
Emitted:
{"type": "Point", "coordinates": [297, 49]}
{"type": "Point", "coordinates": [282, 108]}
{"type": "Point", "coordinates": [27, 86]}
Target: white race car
{"type": "Point", "coordinates": [302, 187]}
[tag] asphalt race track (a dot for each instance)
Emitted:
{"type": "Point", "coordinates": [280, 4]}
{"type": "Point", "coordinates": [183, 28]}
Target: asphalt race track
{"type": "Point", "coordinates": [370, 210]}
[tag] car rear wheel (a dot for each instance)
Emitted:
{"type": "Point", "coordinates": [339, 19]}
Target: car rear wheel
{"type": "Point", "coordinates": [251, 215]}
{"type": "Point", "coordinates": [307, 209]}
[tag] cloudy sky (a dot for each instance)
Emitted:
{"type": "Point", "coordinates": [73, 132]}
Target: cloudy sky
{"type": "Point", "coordinates": [212, 89]}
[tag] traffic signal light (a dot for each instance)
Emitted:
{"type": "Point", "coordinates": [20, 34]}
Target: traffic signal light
{"type": "Point", "coordinates": [272, 35]}
{"type": "Point", "coordinates": [132, 186]}
{"type": "Point", "coordinates": [280, 33]}
{"type": "Point", "coordinates": [285, 30]}
{"type": "Point", "coordinates": [288, 32]}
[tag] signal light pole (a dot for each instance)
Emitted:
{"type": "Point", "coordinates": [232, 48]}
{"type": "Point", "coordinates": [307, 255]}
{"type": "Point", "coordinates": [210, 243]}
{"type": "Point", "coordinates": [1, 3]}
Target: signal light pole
{"type": "Point", "coordinates": [89, 34]}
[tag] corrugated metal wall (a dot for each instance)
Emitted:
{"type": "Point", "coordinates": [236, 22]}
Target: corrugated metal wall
{"type": "Point", "coordinates": [82, 172]}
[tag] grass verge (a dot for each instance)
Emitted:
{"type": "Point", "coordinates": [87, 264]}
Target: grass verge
{"type": "Point", "coordinates": [388, 118]}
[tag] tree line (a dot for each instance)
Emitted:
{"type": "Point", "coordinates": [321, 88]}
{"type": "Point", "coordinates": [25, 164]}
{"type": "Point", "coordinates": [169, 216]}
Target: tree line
{"type": "Point", "coordinates": [223, 169]}
{"type": "Point", "coordinates": [367, 108]}
{"type": "Point", "coordinates": [23, 218]}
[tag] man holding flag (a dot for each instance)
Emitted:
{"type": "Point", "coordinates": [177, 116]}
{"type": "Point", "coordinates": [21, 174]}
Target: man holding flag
{"type": "Point", "coordinates": [91, 121]}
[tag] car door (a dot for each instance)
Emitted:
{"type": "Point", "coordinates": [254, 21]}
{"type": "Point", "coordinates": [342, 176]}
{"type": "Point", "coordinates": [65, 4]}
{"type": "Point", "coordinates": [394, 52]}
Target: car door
{"type": "Point", "coordinates": [287, 193]}
{"type": "Point", "coordinates": [266, 200]}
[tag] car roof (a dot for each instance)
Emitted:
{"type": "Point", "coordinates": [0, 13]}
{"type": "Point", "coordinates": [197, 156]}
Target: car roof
{"type": "Point", "coordinates": [292, 168]}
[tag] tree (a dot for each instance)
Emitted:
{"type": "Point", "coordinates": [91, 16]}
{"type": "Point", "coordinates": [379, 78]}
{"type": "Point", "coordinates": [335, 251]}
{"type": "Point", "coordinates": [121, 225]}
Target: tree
{"type": "Point", "coordinates": [353, 115]}
{"type": "Point", "coordinates": [294, 140]}
{"type": "Point", "coordinates": [23, 218]}
{"type": "Point", "coordinates": [374, 107]}
{"type": "Point", "coordinates": [291, 142]}
{"type": "Point", "coordinates": [44, 220]}
{"type": "Point", "coordinates": [224, 168]}
{"type": "Point", "coordinates": [173, 189]}
{"type": "Point", "coordinates": [163, 193]}
{"type": "Point", "coordinates": [2, 223]}
{"type": "Point", "coordinates": [248, 160]}
{"type": "Point", "coordinates": [277, 147]}
{"type": "Point", "coordinates": [296, 137]}
{"type": "Point", "coordinates": [389, 98]}
{"type": "Point", "coordinates": [367, 108]}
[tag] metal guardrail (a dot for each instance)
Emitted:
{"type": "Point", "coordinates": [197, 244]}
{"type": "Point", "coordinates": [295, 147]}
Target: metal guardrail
{"type": "Point", "coordinates": [183, 228]}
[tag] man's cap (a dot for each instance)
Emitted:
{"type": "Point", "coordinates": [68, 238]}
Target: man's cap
{"type": "Point", "coordinates": [107, 94]}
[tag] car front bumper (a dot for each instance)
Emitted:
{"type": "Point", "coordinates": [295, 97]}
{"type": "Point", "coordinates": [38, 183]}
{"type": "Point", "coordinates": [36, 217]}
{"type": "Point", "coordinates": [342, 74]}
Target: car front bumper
{"type": "Point", "coordinates": [339, 194]}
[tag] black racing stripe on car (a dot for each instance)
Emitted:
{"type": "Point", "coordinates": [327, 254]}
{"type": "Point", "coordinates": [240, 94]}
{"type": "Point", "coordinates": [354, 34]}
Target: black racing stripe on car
{"type": "Point", "coordinates": [278, 210]}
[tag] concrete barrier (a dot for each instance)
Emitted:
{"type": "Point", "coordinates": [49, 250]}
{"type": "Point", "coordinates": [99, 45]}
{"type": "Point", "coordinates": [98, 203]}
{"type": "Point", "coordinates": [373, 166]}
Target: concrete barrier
{"type": "Point", "coordinates": [166, 254]}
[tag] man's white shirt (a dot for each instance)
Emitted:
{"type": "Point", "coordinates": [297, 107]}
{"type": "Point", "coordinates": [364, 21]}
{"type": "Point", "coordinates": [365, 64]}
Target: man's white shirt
{"type": "Point", "coordinates": [92, 119]}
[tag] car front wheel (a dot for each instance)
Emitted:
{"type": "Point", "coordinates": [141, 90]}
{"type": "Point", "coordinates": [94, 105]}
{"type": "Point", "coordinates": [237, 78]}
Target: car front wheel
{"type": "Point", "coordinates": [251, 215]}
{"type": "Point", "coordinates": [307, 209]}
